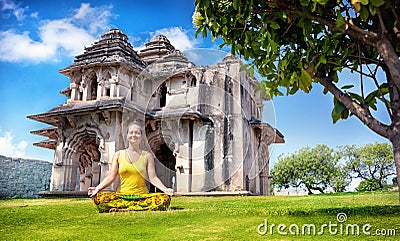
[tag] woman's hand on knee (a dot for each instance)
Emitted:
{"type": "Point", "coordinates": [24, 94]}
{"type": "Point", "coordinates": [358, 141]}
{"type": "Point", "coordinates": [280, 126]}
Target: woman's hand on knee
{"type": "Point", "coordinates": [169, 191]}
{"type": "Point", "coordinates": [92, 191]}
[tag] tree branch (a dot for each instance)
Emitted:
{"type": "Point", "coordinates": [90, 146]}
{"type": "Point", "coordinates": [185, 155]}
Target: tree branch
{"type": "Point", "coordinates": [382, 97]}
{"type": "Point", "coordinates": [382, 24]}
{"type": "Point", "coordinates": [367, 37]}
{"type": "Point", "coordinates": [355, 108]}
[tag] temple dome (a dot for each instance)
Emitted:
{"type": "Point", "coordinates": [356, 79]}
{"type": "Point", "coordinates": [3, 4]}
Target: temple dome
{"type": "Point", "coordinates": [158, 47]}
{"type": "Point", "coordinates": [113, 47]}
{"type": "Point", "coordinates": [159, 38]}
{"type": "Point", "coordinates": [115, 33]}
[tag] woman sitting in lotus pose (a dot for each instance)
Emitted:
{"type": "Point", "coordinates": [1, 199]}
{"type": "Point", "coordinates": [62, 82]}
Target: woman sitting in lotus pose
{"type": "Point", "coordinates": [132, 164]}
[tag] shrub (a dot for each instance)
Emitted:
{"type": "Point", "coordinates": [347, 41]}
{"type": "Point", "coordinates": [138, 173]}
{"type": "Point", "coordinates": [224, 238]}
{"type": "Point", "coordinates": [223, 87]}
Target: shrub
{"type": "Point", "coordinates": [368, 184]}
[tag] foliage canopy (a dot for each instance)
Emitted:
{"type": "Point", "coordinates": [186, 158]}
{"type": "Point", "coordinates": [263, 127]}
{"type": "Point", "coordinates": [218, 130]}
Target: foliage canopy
{"type": "Point", "coordinates": [294, 44]}
{"type": "Point", "coordinates": [373, 163]}
{"type": "Point", "coordinates": [313, 168]}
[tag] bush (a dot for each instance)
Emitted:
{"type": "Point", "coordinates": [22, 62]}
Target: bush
{"type": "Point", "coordinates": [368, 184]}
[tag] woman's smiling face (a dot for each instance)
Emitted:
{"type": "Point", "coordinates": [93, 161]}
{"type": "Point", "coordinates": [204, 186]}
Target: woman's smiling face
{"type": "Point", "coordinates": [134, 133]}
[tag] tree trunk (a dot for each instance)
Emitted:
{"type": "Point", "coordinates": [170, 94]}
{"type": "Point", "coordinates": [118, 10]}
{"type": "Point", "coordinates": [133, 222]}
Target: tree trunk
{"type": "Point", "coordinates": [309, 189]}
{"type": "Point", "coordinates": [395, 138]}
{"type": "Point", "coordinates": [396, 151]}
{"type": "Point", "coordinates": [394, 93]}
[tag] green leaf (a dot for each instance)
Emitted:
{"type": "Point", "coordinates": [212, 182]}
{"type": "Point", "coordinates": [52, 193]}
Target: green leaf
{"type": "Point", "coordinates": [371, 96]}
{"type": "Point", "coordinates": [304, 3]}
{"type": "Point", "coordinates": [372, 10]}
{"type": "Point", "coordinates": [204, 33]}
{"type": "Point", "coordinates": [322, 2]}
{"type": "Point", "coordinates": [305, 81]}
{"type": "Point", "coordinates": [250, 71]}
{"type": "Point", "coordinates": [198, 31]}
{"type": "Point", "coordinates": [384, 88]}
{"type": "Point", "coordinates": [377, 3]}
{"type": "Point", "coordinates": [356, 97]}
{"type": "Point", "coordinates": [340, 20]}
{"type": "Point", "coordinates": [364, 2]}
{"type": "Point", "coordinates": [274, 25]}
{"type": "Point", "coordinates": [346, 87]}
{"type": "Point", "coordinates": [293, 90]}
{"type": "Point", "coordinates": [322, 59]}
{"type": "Point", "coordinates": [339, 111]}
{"type": "Point", "coordinates": [235, 4]}
{"type": "Point", "coordinates": [364, 14]}
{"type": "Point", "coordinates": [339, 107]}
{"type": "Point", "coordinates": [244, 67]}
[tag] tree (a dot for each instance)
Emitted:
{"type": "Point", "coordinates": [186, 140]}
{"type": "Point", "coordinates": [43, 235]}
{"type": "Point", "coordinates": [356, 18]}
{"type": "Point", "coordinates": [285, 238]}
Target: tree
{"type": "Point", "coordinates": [313, 168]}
{"type": "Point", "coordinates": [368, 184]}
{"type": "Point", "coordinates": [371, 162]}
{"type": "Point", "coordinates": [294, 44]}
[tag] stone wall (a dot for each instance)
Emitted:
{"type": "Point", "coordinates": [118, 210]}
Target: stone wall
{"type": "Point", "coordinates": [23, 177]}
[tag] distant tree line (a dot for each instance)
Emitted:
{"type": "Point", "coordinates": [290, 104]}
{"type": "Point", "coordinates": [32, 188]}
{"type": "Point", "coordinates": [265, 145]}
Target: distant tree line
{"type": "Point", "coordinates": [322, 168]}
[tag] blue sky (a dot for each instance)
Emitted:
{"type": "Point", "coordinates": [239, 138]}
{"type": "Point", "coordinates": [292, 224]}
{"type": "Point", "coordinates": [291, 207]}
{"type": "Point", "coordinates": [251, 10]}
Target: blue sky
{"type": "Point", "coordinates": [38, 38]}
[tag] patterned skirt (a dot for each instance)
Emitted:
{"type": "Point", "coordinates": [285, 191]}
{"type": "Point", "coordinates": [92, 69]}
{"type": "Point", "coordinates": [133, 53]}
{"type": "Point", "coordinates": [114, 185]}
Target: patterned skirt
{"type": "Point", "coordinates": [114, 202]}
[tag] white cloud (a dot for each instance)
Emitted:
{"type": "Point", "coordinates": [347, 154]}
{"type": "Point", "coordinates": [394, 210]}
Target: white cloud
{"type": "Point", "coordinates": [65, 36]}
{"type": "Point", "coordinates": [19, 47]}
{"type": "Point", "coordinates": [178, 37]}
{"type": "Point", "coordinates": [9, 7]}
{"type": "Point", "coordinates": [10, 149]}
{"type": "Point", "coordinates": [34, 15]}
{"type": "Point", "coordinates": [93, 19]}
{"type": "Point", "coordinates": [58, 37]}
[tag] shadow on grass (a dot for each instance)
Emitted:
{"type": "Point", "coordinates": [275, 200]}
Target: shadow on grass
{"type": "Point", "coordinates": [365, 210]}
{"type": "Point", "coordinates": [176, 208]}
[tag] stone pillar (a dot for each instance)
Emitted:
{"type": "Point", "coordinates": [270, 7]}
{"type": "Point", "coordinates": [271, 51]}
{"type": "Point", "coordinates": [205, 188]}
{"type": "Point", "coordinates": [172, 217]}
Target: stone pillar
{"type": "Point", "coordinates": [74, 91]}
{"type": "Point", "coordinates": [70, 173]}
{"type": "Point", "coordinates": [85, 89]}
{"type": "Point", "coordinates": [74, 175]}
{"type": "Point", "coordinates": [113, 86]}
{"type": "Point", "coordinates": [57, 178]}
{"type": "Point", "coordinates": [182, 174]}
{"type": "Point", "coordinates": [99, 90]}
{"type": "Point", "coordinates": [88, 178]}
{"type": "Point", "coordinates": [95, 174]}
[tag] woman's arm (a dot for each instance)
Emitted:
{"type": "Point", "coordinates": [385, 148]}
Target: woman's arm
{"type": "Point", "coordinates": [151, 171]}
{"type": "Point", "coordinates": [110, 178]}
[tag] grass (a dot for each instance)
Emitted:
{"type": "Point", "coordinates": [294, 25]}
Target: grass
{"type": "Point", "coordinates": [203, 218]}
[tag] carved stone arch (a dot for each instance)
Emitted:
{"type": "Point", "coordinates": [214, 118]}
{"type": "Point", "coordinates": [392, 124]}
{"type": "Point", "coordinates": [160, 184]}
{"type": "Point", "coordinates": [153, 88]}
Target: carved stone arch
{"type": "Point", "coordinates": [105, 83]}
{"type": "Point", "coordinates": [91, 84]}
{"type": "Point", "coordinates": [76, 77]}
{"type": "Point", "coordinates": [83, 155]}
{"type": "Point", "coordinates": [154, 139]}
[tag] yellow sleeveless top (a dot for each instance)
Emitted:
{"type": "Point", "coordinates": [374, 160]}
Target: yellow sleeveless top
{"type": "Point", "coordinates": [132, 175]}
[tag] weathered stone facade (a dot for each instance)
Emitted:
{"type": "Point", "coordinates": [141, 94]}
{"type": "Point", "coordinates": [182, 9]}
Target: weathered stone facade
{"type": "Point", "coordinates": [203, 123]}
{"type": "Point", "coordinates": [23, 177]}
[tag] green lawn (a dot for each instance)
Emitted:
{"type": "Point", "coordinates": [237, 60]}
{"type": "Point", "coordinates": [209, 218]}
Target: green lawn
{"type": "Point", "coordinates": [207, 218]}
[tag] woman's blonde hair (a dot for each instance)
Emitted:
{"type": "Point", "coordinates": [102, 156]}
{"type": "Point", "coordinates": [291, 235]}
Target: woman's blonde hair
{"type": "Point", "coordinates": [136, 123]}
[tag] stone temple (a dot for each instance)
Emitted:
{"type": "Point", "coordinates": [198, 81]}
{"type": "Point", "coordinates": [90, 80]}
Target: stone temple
{"type": "Point", "coordinates": [202, 123]}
